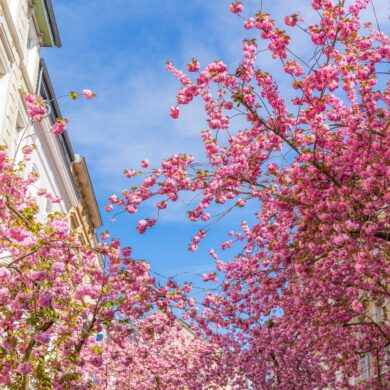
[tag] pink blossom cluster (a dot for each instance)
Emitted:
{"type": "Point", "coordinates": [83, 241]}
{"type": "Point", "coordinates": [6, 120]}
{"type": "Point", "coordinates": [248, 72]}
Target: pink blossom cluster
{"type": "Point", "coordinates": [193, 66]}
{"type": "Point", "coordinates": [291, 20]}
{"type": "Point", "coordinates": [59, 126]}
{"type": "Point", "coordinates": [293, 306]}
{"type": "Point", "coordinates": [236, 7]}
{"type": "Point", "coordinates": [55, 298]}
{"type": "Point", "coordinates": [88, 94]}
{"type": "Point", "coordinates": [36, 108]}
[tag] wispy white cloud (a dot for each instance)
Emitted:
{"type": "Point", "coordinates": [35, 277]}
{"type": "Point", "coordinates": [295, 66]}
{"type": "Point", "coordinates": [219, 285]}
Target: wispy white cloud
{"type": "Point", "coordinates": [116, 48]}
{"type": "Point", "coordinates": [129, 119]}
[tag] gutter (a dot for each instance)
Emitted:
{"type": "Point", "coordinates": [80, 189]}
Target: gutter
{"type": "Point", "coordinates": [53, 23]}
{"type": "Point", "coordinates": [46, 22]}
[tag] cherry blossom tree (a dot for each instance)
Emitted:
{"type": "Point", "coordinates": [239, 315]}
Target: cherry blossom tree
{"type": "Point", "coordinates": [171, 358]}
{"type": "Point", "coordinates": [294, 307]}
{"type": "Point", "coordinates": [66, 321]}
{"type": "Point", "coordinates": [312, 158]}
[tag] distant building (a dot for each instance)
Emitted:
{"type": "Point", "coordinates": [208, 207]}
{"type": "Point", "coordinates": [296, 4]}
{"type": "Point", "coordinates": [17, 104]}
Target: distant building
{"type": "Point", "coordinates": [25, 27]}
{"type": "Point", "coordinates": [377, 312]}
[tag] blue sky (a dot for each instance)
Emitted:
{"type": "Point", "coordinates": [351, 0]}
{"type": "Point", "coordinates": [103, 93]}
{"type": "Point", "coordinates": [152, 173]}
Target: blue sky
{"type": "Point", "coordinates": [118, 48]}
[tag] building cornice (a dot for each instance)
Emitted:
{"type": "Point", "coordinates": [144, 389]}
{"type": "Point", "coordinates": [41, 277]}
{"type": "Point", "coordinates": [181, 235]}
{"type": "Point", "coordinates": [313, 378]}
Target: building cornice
{"type": "Point", "coordinates": [47, 22]}
{"type": "Point", "coordinates": [85, 187]}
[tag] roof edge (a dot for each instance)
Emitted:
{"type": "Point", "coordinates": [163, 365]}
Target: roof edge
{"type": "Point", "coordinates": [46, 77]}
{"type": "Point", "coordinates": [47, 23]}
{"type": "Point", "coordinates": [53, 23]}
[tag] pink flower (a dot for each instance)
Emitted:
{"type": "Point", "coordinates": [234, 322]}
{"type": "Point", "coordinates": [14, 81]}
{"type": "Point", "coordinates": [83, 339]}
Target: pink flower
{"type": "Point", "coordinates": [104, 235]}
{"type": "Point", "coordinates": [108, 207]}
{"type": "Point", "coordinates": [24, 368]}
{"type": "Point", "coordinates": [28, 149]}
{"type": "Point", "coordinates": [37, 276]}
{"type": "Point", "coordinates": [113, 199]}
{"type": "Point", "coordinates": [36, 108]}
{"type": "Point", "coordinates": [151, 222]}
{"type": "Point", "coordinates": [110, 314]}
{"type": "Point", "coordinates": [131, 209]}
{"type": "Point", "coordinates": [56, 200]}
{"type": "Point", "coordinates": [4, 273]}
{"type": "Point", "coordinates": [162, 205]}
{"type": "Point", "coordinates": [236, 7]}
{"type": "Point", "coordinates": [145, 163]}
{"type": "Point", "coordinates": [205, 216]}
{"type": "Point", "coordinates": [59, 127]}
{"type": "Point", "coordinates": [42, 338]}
{"type": "Point", "coordinates": [292, 67]}
{"type": "Point", "coordinates": [88, 94]}
{"type": "Point", "coordinates": [4, 295]}
{"type": "Point", "coordinates": [220, 265]}
{"type": "Point", "coordinates": [272, 168]}
{"type": "Point", "coordinates": [84, 290]}
{"type": "Point", "coordinates": [193, 247]}
{"type": "Point", "coordinates": [126, 251]}
{"type": "Point", "coordinates": [142, 225]}
{"type": "Point", "coordinates": [249, 23]}
{"type": "Point", "coordinates": [129, 173]}
{"type": "Point", "coordinates": [175, 111]}
{"type": "Point", "coordinates": [241, 202]}
{"type": "Point", "coordinates": [216, 71]}
{"type": "Point", "coordinates": [212, 276]}
{"type": "Point", "coordinates": [359, 268]}
{"type": "Point", "coordinates": [357, 306]}
{"type": "Point", "coordinates": [45, 300]}
{"type": "Point", "coordinates": [97, 361]}
{"type": "Point", "coordinates": [59, 225]}
{"type": "Point", "coordinates": [194, 65]}
{"type": "Point", "coordinates": [58, 267]}
{"type": "Point", "coordinates": [291, 20]}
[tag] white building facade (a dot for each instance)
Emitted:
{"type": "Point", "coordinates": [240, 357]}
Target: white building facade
{"type": "Point", "coordinates": [25, 27]}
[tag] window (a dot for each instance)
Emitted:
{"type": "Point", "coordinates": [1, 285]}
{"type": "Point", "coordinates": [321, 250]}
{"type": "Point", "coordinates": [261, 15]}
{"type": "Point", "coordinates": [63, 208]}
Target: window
{"type": "Point", "coordinates": [32, 54]}
{"type": "Point", "coordinates": [49, 206]}
{"type": "Point", "coordinates": [4, 78]}
{"type": "Point", "coordinates": [386, 362]}
{"type": "Point", "coordinates": [380, 314]}
{"type": "Point", "coordinates": [19, 133]}
{"type": "Point", "coordinates": [37, 183]}
{"type": "Point", "coordinates": [365, 366]}
{"type": "Point", "coordinates": [73, 223]}
{"type": "Point", "coordinates": [3, 69]}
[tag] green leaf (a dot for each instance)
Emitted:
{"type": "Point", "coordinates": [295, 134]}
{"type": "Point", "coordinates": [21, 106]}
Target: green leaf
{"type": "Point", "coordinates": [73, 95]}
